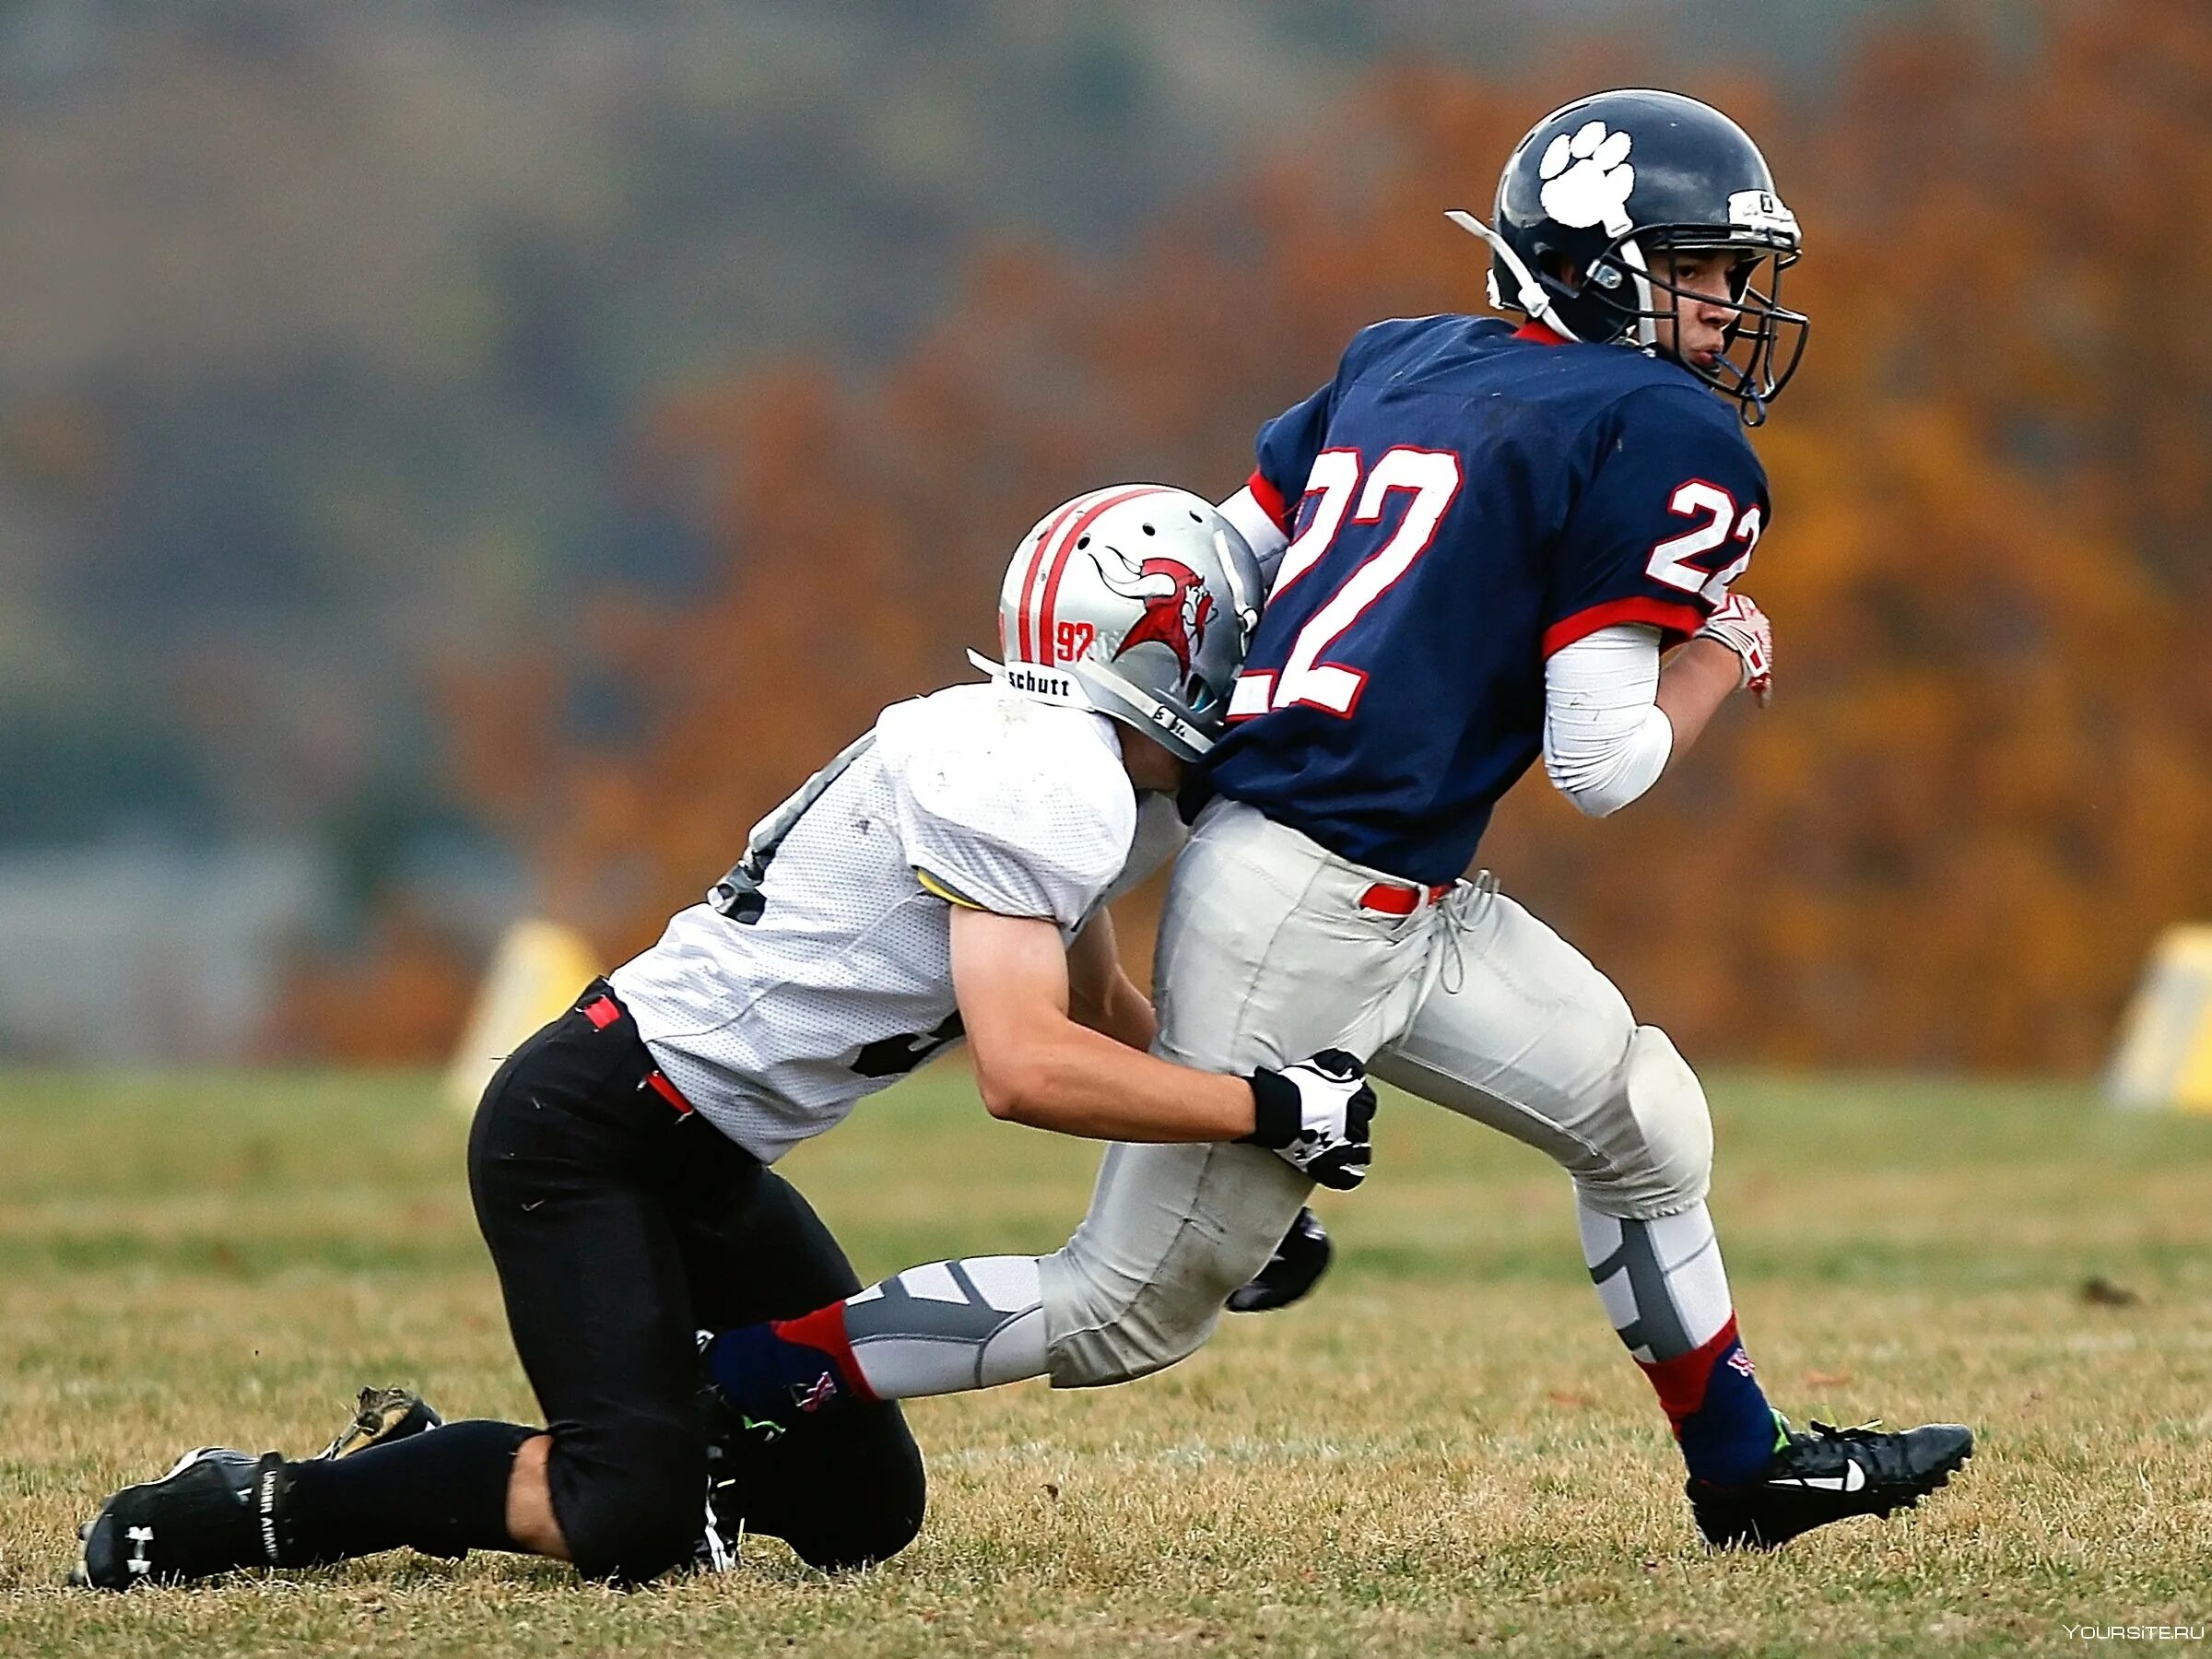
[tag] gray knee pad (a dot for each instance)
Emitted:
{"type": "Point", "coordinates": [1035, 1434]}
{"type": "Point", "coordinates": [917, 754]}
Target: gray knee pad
{"type": "Point", "coordinates": [1657, 1140]}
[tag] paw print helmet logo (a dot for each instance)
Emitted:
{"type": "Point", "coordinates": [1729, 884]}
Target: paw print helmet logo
{"type": "Point", "coordinates": [1598, 194]}
{"type": "Point", "coordinates": [1588, 178]}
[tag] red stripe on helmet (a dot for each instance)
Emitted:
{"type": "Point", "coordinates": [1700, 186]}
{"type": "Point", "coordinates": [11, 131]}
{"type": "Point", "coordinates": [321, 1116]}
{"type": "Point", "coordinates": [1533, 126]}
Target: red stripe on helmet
{"type": "Point", "coordinates": [1029, 581]}
{"type": "Point", "coordinates": [1073, 535]}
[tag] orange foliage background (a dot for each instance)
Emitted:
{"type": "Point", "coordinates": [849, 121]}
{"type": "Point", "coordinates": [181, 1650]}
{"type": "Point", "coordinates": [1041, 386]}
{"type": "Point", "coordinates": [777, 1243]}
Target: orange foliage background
{"type": "Point", "coordinates": [1987, 778]}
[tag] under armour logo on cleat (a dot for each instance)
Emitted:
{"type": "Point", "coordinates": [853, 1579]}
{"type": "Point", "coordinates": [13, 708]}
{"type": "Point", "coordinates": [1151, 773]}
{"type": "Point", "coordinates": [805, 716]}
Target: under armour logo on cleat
{"type": "Point", "coordinates": [142, 1557]}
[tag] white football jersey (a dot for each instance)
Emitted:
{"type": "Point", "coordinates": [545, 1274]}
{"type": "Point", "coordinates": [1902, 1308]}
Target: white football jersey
{"type": "Point", "coordinates": [820, 968]}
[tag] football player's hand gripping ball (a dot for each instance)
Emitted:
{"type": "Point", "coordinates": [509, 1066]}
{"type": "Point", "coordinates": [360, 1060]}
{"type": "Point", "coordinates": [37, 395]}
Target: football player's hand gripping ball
{"type": "Point", "coordinates": [1316, 1116]}
{"type": "Point", "coordinates": [1740, 625]}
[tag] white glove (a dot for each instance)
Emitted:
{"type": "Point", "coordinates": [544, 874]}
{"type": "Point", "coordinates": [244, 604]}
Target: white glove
{"type": "Point", "coordinates": [1315, 1116]}
{"type": "Point", "coordinates": [1739, 624]}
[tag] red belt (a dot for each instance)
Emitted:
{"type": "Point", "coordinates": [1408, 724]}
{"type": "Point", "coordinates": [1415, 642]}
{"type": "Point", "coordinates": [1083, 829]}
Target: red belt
{"type": "Point", "coordinates": [602, 1011]}
{"type": "Point", "coordinates": [1392, 899]}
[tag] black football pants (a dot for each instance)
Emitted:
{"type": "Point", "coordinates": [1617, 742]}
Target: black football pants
{"type": "Point", "coordinates": [620, 1225]}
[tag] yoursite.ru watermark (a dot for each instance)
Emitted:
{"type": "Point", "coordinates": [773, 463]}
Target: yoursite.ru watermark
{"type": "Point", "coordinates": [2137, 1632]}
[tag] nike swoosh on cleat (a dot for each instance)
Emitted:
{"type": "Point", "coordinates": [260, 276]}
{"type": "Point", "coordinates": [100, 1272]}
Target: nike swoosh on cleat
{"type": "Point", "coordinates": [1854, 1481]}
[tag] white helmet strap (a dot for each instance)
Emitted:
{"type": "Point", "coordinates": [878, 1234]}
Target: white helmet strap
{"type": "Point", "coordinates": [1046, 684]}
{"type": "Point", "coordinates": [1647, 319]}
{"type": "Point", "coordinates": [1530, 296]}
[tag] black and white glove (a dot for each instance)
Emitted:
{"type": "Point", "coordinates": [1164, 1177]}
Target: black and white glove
{"type": "Point", "coordinates": [1315, 1116]}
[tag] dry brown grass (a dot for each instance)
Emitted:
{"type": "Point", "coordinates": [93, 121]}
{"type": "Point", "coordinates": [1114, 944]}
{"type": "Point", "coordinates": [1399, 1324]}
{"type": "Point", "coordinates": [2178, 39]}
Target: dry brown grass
{"type": "Point", "coordinates": [1444, 1452]}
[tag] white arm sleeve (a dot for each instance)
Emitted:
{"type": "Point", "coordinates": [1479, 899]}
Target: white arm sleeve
{"type": "Point", "coordinates": [1605, 739]}
{"type": "Point", "coordinates": [1260, 533]}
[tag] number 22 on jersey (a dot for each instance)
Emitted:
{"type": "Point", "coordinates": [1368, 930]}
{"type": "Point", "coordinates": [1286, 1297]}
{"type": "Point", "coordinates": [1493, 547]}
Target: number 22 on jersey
{"type": "Point", "coordinates": [1432, 477]}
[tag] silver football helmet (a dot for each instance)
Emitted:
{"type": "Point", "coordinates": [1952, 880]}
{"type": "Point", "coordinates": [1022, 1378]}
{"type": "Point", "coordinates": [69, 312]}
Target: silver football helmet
{"type": "Point", "coordinates": [1137, 601]}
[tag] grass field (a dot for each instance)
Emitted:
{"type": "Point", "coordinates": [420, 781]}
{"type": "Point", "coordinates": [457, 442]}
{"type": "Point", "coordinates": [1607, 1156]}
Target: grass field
{"type": "Point", "coordinates": [1444, 1452]}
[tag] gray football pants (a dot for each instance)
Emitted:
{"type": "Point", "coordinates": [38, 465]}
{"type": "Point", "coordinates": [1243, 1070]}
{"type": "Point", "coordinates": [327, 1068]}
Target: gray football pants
{"type": "Point", "coordinates": [1266, 954]}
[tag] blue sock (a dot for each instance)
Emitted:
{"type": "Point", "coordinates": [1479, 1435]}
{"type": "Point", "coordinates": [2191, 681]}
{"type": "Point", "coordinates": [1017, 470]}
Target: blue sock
{"type": "Point", "coordinates": [773, 1373]}
{"type": "Point", "coordinates": [1721, 1419]}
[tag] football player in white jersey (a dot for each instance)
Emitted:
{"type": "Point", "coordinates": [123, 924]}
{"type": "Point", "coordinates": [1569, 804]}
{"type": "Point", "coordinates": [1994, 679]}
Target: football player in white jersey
{"type": "Point", "coordinates": [944, 876]}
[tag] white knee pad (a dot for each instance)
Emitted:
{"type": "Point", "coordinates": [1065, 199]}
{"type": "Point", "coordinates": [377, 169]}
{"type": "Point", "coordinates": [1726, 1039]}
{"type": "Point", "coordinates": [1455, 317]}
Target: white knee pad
{"type": "Point", "coordinates": [1105, 1327]}
{"type": "Point", "coordinates": [1170, 1231]}
{"type": "Point", "coordinates": [1658, 1147]}
{"type": "Point", "coordinates": [1107, 1330]}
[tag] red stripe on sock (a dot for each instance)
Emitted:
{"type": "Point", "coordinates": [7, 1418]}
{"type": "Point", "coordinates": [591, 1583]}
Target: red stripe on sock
{"type": "Point", "coordinates": [825, 1329]}
{"type": "Point", "coordinates": [1680, 1382]}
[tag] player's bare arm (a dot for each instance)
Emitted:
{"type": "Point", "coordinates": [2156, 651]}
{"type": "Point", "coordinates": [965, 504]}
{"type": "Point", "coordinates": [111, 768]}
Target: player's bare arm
{"type": "Point", "coordinates": [1035, 1064]}
{"type": "Point", "coordinates": [1100, 993]}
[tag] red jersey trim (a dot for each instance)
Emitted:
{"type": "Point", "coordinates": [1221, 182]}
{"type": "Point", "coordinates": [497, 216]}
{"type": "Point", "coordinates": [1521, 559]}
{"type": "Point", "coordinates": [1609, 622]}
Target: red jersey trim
{"type": "Point", "coordinates": [1270, 499]}
{"type": "Point", "coordinates": [1665, 615]}
{"type": "Point", "coordinates": [1533, 330]}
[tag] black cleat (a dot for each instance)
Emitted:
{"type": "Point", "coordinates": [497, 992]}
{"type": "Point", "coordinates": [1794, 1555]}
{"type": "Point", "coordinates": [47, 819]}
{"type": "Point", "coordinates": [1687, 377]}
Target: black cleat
{"type": "Point", "coordinates": [1297, 1265]}
{"type": "Point", "coordinates": [1827, 1474]}
{"type": "Point", "coordinates": [214, 1511]}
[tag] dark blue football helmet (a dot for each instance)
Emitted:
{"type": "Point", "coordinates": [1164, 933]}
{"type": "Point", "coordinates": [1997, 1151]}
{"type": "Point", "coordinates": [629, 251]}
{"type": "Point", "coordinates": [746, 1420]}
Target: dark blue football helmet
{"type": "Point", "coordinates": [1601, 188]}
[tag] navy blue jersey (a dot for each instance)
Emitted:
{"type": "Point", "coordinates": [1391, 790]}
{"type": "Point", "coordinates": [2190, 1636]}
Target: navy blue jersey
{"type": "Point", "coordinates": [1463, 499]}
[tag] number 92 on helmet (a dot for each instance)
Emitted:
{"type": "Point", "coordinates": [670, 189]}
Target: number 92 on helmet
{"type": "Point", "coordinates": [1138, 601]}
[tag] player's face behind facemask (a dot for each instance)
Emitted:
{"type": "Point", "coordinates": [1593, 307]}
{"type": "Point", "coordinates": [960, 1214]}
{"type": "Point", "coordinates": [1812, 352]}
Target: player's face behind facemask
{"type": "Point", "coordinates": [1596, 196]}
{"type": "Point", "coordinates": [1697, 303]}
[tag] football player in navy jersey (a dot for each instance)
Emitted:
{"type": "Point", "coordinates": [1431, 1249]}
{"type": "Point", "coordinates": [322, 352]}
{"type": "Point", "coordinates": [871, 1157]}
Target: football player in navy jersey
{"type": "Point", "coordinates": [1488, 540]}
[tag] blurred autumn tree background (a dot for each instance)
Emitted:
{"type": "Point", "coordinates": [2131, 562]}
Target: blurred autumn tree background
{"type": "Point", "coordinates": [1986, 779]}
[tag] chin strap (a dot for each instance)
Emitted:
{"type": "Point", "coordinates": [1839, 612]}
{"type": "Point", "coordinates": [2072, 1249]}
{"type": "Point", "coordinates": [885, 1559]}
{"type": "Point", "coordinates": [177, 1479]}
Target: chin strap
{"type": "Point", "coordinates": [1647, 319]}
{"type": "Point", "coordinates": [1086, 685]}
{"type": "Point", "coordinates": [1108, 688]}
{"type": "Point", "coordinates": [1531, 296]}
